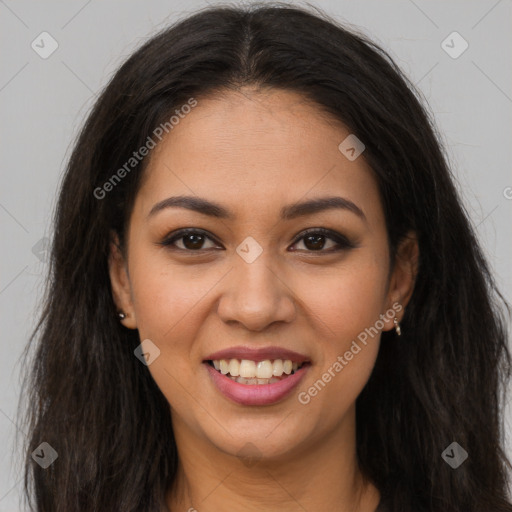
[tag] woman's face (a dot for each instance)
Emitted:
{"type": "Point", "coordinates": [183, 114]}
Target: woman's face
{"type": "Point", "coordinates": [249, 280]}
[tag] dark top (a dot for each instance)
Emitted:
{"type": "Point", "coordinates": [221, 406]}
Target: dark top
{"type": "Point", "coordinates": [382, 507]}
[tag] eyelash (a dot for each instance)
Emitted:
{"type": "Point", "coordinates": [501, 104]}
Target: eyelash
{"type": "Point", "coordinates": [343, 242]}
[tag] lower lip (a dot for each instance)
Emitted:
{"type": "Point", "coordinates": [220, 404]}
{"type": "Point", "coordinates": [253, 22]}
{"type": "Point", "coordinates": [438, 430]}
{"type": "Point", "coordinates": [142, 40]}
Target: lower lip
{"type": "Point", "coordinates": [256, 394]}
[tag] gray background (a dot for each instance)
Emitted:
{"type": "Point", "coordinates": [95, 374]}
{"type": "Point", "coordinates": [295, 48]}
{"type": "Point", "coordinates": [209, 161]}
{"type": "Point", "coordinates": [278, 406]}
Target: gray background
{"type": "Point", "coordinates": [44, 101]}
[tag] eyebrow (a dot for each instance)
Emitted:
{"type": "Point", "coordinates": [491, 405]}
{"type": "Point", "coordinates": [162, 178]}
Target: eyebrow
{"type": "Point", "coordinates": [288, 212]}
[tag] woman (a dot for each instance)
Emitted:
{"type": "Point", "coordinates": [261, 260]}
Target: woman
{"type": "Point", "coordinates": [265, 293]}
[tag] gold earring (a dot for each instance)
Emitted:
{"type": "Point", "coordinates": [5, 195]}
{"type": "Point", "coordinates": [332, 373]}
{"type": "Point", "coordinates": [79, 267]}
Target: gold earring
{"type": "Point", "coordinates": [397, 326]}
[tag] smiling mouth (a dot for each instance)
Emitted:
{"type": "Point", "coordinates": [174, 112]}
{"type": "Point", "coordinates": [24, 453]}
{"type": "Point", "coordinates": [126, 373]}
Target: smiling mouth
{"type": "Point", "coordinates": [246, 371]}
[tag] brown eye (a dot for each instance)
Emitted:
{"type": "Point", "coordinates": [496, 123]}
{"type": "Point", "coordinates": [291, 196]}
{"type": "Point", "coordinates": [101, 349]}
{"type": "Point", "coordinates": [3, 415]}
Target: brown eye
{"type": "Point", "coordinates": [188, 240]}
{"type": "Point", "coordinates": [316, 241]}
{"type": "Point", "coordinates": [193, 241]}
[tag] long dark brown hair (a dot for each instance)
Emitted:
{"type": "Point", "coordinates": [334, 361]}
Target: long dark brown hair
{"type": "Point", "coordinates": [443, 380]}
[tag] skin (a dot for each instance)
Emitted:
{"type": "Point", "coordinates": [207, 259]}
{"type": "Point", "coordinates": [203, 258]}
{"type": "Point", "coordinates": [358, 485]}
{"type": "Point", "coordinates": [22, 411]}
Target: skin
{"type": "Point", "coordinates": [254, 152]}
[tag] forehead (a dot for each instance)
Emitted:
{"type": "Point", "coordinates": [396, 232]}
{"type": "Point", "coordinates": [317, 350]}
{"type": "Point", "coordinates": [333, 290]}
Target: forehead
{"type": "Point", "coordinates": [253, 149]}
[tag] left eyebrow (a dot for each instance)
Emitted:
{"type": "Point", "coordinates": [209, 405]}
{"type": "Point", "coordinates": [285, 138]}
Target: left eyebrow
{"type": "Point", "coordinates": [318, 205]}
{"type": "Point", "coordinates": [193, 203]}
{"type": "Point", "coordinates": [288, 212]}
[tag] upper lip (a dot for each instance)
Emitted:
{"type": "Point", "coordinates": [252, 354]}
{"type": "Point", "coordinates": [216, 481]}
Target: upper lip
{"type": "Point", "coordinates": [257, 354]}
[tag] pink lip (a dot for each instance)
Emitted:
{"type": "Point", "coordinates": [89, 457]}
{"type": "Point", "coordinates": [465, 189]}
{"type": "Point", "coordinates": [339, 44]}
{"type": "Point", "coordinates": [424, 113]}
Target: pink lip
{"type": "Point", "coordinates": [257, 394]}
{"type": "Point", "coordinates": [257, 354]}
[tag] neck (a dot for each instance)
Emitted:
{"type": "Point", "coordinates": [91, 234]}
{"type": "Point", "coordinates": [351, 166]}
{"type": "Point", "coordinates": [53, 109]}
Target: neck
{"type": "Point", "coordinates": [324, 475]}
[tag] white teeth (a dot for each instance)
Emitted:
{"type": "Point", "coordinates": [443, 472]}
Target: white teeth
{"type": "Point", "coordinates": [251, 372]}
{"type": "Point", "coordinates": [264, 369]}
{"type": "Point", "coordinates": [234, 367]}
{"type": "Point", "coordinates": [224, 368]}
{"type": "Point", "coordinates": [247, 369]}
{"type": "Point", "coordinates": [277, 370]}
{"type": "Point", "coordinates": [242, 380]}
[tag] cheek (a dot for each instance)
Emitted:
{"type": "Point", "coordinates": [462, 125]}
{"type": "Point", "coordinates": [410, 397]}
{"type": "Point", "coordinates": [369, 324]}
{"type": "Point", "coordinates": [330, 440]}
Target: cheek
{"type": "Point", "coordinates": [347, 311]}
{"type": "Point", "coordinates": [168, 299]}
{"type": "Point", "coordinates": [170, 307]}
{"type": "Point", "coordinates": [348, 300]}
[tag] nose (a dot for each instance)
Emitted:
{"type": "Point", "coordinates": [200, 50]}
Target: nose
{"type": "Point", "coordinates": [256, 295]}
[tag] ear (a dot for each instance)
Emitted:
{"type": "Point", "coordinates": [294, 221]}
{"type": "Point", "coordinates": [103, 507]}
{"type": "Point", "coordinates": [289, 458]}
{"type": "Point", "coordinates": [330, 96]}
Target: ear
{"type": "Point", "coordinates": [120, 282]}
{"type": "Point", "coordinates": [403, 277]}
